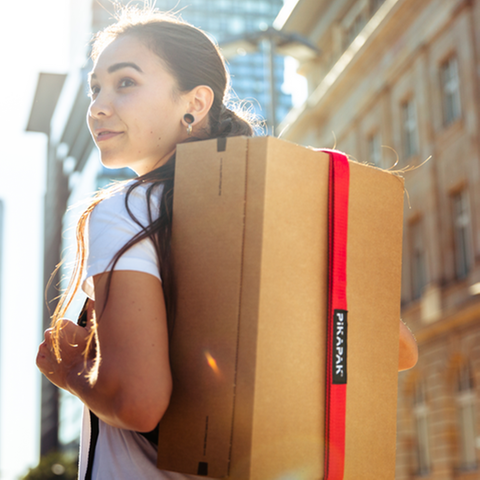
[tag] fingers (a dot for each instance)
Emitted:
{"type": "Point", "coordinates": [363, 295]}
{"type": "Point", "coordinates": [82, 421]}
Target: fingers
{"type": "Point", "coordinates": [408, 352]}
{"type": "Point", "coordinates": [42, 350]}
{"type": "Point", "coordinates": [71, 341]}
{"type": "Point", "coordinates": [46, 347]}
{"type": "Point", "coordinates": [45, 357]}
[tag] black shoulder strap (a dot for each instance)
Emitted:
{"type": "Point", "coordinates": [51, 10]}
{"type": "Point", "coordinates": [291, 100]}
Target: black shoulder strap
{"type": "Point", "coordinates": [150, 436]}
{"type": "Point", "coordinates": [93, 444]}
{"type": "Point", "coordinates": [82, 321]}
{"type": "Point", "coordinates": [83, 316]}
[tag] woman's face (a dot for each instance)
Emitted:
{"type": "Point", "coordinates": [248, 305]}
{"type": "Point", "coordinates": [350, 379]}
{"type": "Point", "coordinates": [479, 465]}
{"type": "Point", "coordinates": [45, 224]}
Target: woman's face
{"type": "Point", "coordinates": [135, 113]}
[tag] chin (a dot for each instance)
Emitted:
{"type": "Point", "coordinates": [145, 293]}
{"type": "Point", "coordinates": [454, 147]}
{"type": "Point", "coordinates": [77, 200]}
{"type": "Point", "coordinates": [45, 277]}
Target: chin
{"type": "Point", "coordinates": [114, 166]}
{"type": "Point", "coordinates": [112, 162]}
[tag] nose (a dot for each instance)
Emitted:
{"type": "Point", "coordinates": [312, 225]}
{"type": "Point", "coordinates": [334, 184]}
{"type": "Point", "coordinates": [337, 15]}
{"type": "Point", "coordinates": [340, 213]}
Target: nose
{"type": "Point", "coordinates": [100, 106]}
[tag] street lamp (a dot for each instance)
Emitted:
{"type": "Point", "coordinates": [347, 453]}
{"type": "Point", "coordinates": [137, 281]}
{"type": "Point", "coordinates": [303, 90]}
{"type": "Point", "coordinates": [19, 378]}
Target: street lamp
{"type": "Point", "coordinates": [275, 42]}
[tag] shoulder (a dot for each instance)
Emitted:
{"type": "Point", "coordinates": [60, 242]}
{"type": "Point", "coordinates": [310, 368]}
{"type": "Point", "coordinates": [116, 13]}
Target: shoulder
{"type": "Point", "coordinates": [126, 204]}
{"type": "Point", "coordinates": [113, 223]}
{"type": "Point", "coordinates": [118, 197]}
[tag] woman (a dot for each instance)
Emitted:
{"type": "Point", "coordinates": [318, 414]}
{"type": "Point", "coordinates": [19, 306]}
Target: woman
{"type": "Point", "coordinates": [156, 82]}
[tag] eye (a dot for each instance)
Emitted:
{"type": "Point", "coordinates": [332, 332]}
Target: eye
{"type": "Point", "coordinates": [126, 82]}
{"type": "Point", "coordinates": [94, 89]}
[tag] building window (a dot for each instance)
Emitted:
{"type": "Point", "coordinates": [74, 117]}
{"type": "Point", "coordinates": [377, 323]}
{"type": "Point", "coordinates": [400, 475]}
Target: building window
{"type": "Point", "coordinates": [466, 418]}
{"type": "Point", "coordinates": [375, 149]}
{"type": "Point", "coordinates": [418, 259]}
{"type": "Point", "coordinates": [450, 91]}
{"type": "Point", "coordinates": [461, 226]}
{"type": "Point", "coordinates": [420, 412]}
{"type": "Point", "coordinates": [409, 118]}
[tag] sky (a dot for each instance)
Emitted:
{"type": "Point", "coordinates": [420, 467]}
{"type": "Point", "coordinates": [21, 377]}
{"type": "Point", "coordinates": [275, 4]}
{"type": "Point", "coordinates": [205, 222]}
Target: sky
{"type": "Point", "coordinates": [34, 37]}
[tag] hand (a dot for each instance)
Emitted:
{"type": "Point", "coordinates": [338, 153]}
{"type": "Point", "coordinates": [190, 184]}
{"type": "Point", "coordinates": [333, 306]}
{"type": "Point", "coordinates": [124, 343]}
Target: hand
{"type": "Point", "coordinates": [408, 353]}
{"type": "Point", "coordinates": [72, 343]}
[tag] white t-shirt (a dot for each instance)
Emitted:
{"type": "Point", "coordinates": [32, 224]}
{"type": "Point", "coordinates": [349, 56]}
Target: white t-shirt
{"type": "Point", "coordinates": [120, 454]}
{"type": "Point", "coordinates": [111, 227]}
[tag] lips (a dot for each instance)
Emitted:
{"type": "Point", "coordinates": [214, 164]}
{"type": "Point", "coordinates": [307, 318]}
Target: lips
{"type": "Point", "coordinates": [103, 135]}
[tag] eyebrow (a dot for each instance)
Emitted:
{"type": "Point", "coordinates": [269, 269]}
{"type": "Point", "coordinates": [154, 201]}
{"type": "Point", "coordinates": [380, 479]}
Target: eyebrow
{"type": "Point", "coordinates": [118, 66]}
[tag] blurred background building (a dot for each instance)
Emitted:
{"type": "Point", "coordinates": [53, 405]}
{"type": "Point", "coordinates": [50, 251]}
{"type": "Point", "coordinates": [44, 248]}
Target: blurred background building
{"type": "Point", "coordinates": [398, 82]}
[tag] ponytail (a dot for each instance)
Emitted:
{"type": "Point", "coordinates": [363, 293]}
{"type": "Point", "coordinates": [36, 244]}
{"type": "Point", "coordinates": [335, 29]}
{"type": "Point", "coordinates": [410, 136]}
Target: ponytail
{"type": "Point", "coordinates": [230, 124]}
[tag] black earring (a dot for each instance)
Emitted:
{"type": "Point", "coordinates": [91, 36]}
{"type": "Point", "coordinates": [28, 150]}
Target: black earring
{"type": "Point", "coordinates": [189, 119]}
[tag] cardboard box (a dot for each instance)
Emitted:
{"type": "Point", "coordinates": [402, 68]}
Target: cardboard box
{"type": "Point", "coordinates": [248, 352]}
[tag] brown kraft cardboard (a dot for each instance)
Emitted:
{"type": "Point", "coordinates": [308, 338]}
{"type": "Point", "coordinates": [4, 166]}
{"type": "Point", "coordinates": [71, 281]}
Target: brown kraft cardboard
{"type": "Point", "coordinates": [250, 237]}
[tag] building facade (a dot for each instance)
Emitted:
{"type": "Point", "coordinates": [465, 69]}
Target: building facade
{"type": "Point", "coordinates": [398, 82]}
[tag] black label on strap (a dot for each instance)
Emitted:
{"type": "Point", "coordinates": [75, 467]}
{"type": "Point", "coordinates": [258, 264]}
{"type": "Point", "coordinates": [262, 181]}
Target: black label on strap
{"type": "Point", "coordinates": [339, 347]}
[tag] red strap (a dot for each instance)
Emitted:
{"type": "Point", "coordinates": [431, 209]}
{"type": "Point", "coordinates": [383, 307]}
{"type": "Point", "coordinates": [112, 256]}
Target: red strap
{"type": "Point", "coordinates": [336, 375]}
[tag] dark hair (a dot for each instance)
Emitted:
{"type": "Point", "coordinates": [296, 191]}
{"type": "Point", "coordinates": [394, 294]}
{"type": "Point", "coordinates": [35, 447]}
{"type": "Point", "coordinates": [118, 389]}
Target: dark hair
{"type": "Point", "coordinates": [193, 60]}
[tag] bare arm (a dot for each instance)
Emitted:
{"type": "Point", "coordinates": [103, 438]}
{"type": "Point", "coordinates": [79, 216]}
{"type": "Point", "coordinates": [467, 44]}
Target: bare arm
{"type": "Point", "coordinates": [408, 353]}
{"type": "Point", "coordinates": [133, 386]}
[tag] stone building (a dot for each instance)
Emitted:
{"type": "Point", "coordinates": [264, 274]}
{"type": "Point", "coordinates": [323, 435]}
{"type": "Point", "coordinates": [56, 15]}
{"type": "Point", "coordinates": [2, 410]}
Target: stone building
{"type": "Point", "coordinates": [398, 82]}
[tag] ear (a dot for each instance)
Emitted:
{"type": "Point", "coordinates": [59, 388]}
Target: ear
{"type": "Point", "coordinates": [200, 100]}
